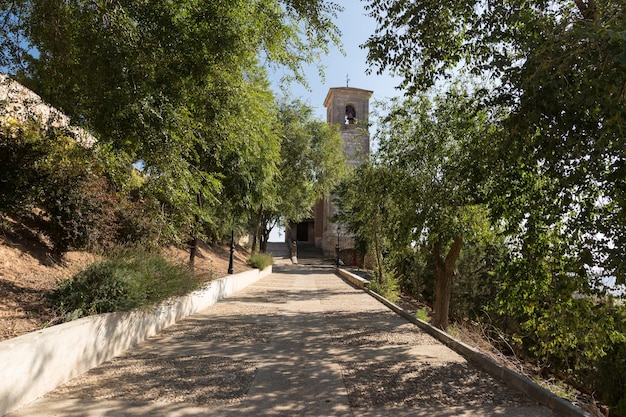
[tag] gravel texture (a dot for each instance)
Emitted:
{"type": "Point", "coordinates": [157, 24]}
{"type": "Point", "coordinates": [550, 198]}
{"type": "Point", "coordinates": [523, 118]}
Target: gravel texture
{"type": "Point", "coordinates": [332, 339]}
{"type": "Point", "coordinates": [423, 384]}
{"type": "Point", "coordinates": [375, 330]}
{"type": "Point", "coordinates": [224, 331]}
{"type": "Point", "coordinates": [202, 380]}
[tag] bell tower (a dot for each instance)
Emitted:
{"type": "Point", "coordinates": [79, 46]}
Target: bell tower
{"type": "Point", "coordinates": [347, 107]}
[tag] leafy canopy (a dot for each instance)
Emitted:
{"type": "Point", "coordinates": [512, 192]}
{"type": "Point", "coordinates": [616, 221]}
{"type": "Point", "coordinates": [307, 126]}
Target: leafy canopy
{"type": "Point", "coordinates": [559, 69]}
{"type": "Point", "coordinates": [179, 86]}
{"type": "Point", "coordinates": [310, 165]}
{"type": "Point", "coordinates": [554, 165]}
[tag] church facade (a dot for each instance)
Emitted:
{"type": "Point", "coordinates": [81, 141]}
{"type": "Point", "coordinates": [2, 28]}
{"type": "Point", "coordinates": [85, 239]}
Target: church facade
{"type": "Point", "coordinates": [347, 107]}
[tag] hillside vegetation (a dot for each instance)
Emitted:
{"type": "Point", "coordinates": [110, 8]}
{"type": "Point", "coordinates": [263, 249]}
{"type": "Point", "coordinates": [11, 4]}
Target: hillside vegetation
{"type": "Point", "coordinates": [496, 196]}
{"type": "Point", "coordinates": [29, 274]}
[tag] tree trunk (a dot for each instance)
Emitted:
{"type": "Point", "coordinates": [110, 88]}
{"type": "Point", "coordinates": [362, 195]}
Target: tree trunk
{"type": "Point", "coordinates": [193, 243]}
{"type": "Point", "coordinates": [264, 238]}
{"type": "Point", "coordinates": [193, 250]}
{"type": "Point", "coordinates": [254, 238]}
{"type": "Point", "coordinates": [444, 271]}
{"type": "Point", "coordinates": [379, 261]}
{"type": "Point", "coordinates": [256, 229]}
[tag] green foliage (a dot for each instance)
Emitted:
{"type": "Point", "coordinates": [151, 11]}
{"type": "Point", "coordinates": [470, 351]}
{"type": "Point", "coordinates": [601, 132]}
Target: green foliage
{"type": "Point", "coordinates": [368, 210]}
{"type": "Point", "coordinates": [606, 376]}
{"type": "Point", "coordinates": [559, 157]}
{"type": "Point", "coordinates": [260, 260]}
{"type": "Point", "coordinates": [414, 203]}
{"type": "Point", "coordinates": [477, 281]}
{"type": "Point", "coordinates": [555, 68]}
{"type": "Point", "coordinates": [425, 141]}
{"type": "Point", "coordinates": [550, 316]}
{"type": "Point", "coordinates": [312, 160]}
{"type": "Point", "coordinates": [78, 197]}
{"type": "Point", "coordinates": [416, 272]}
{"type": "Point", "coordinates": [475, 285]}
{"type": "Point", "coordinates": [554, 164]}
{"type": "Point", "coordinates": [178, 86]}
{"type": "Point", "coordinates": [166, 63]}
{"type": "Point", "coordinates": [138, 221]}
{"type": "Point", "coordinates": [386, 285]}
{"type": "Point", "coordinates": [129, 279]}
{"type": "Point", "coordinates": [52, 183]}
{"type": "Point", "coordinates": [422, 314]}
{"type": "Point", "coordinates": [311, 164]}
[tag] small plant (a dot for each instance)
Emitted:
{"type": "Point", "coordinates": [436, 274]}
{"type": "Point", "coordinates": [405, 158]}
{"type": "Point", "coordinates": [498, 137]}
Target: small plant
{"type": "Point", "coordinates": [557, 387]}
{"type": "Point", "coordinates": [132, 279]}
{"type": "Point", "coordinates": [260, 260]}
{"type": "Point", "coordinates": [454, 330]}
{"type": "Point", "coordinates": [422, 314]}
{"type": "Point", "coordinates": [387, 286]}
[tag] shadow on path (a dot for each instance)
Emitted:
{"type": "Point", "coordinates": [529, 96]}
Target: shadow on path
{"type": "Point", "coordinates": [299, 342]}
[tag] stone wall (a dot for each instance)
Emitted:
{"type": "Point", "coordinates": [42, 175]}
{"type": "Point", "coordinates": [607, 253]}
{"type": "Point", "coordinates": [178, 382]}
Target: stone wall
{"type": "Point", "coordinates": [23, 105]}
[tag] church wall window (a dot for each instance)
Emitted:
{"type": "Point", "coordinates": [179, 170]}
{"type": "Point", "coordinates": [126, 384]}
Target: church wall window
{"type": "Point", "coordinates": [350, 114]}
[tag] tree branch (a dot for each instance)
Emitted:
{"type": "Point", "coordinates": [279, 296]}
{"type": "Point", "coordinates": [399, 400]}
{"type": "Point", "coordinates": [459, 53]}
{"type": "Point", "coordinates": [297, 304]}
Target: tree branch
{"type": "Point", "coordinates": [453, 253]}
{"type": "Point", "coordinates": [588, 9]}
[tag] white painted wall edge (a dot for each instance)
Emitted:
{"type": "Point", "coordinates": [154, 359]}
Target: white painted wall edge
{"type": "Point", "coordinates": [36, 363]}
{"type": "Point", "coordinates": [353, 278]}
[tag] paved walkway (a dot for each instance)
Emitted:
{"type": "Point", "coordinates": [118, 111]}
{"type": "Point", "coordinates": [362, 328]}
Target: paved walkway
{"type": "Point", "coordinates": [300, 342]}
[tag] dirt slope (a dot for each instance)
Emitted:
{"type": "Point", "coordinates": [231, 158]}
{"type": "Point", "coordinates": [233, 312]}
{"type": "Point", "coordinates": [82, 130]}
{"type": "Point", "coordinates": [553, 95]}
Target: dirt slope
{"type": "Point", "coordinates": [28, 273]}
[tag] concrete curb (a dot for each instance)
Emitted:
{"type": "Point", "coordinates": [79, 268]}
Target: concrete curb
{"type": "Point", "coordinates": [557, 404]}
{"type": "Point", "coordinates": [353, 279]}
{"type": "Point", "coordinates": [38, 362]}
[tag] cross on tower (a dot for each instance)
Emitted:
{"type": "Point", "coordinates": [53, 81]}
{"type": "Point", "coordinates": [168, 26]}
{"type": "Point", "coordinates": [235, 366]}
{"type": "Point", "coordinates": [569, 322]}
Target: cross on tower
{"type": "Point", "coordinates": [347, 80]}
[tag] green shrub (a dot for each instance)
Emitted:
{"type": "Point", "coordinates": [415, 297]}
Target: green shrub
{"type": "Point", "coordinates": [260, 260]}
{"type": "Point", "coordinates": [131, 279]}
{"type": "Point", "coordinates": [416, 272]}
{"type": "Point", "coordinates": [606, 377]}
{"type": "Point", "coordinates": [422, 314]}
{"type": "Point", "coordinates": [79, 198]}
{"type": "Point", "coordinates": [473, 287]}
{"type": "Point", "coordinates": [388, 286]}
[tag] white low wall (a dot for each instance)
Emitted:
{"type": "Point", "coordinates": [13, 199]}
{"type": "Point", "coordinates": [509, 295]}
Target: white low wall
{"type": "Point", "coordinates": [36, 363]}
{"type": "Point", "coordinates": [353, 279]}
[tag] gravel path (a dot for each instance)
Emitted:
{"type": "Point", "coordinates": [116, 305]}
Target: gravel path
{"type": "Point", "coordinates": [300, 342]}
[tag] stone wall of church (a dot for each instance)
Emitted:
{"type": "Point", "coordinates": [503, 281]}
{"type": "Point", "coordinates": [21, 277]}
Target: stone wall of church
{"type": "Point", "coordinates": [341, 97]}
{"type": "Point", "coordinates": [356, 143]}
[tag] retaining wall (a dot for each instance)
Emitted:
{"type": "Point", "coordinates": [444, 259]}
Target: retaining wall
{"type": "Point", "coordinates": [36, 363]}
{"type": "Point", "coordinates": [354, 279]}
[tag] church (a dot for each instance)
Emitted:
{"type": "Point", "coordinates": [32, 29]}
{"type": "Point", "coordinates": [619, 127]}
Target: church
{"type": "Point", "coordinates": [347, 107]}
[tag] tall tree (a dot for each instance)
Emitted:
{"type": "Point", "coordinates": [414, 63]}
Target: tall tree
{"type": "Point", "coordinates": [367, 207]}
{"type": "Point", "coordinates": [177, 85]}
{"type": "Point", "coordinates": [311, 164]}
{"type": "Point", "coordinates": [560, 68]}
{"type": "Point", "coordinates": [426, 141]}
{"type": "Point", "coordinates": [556, 170]}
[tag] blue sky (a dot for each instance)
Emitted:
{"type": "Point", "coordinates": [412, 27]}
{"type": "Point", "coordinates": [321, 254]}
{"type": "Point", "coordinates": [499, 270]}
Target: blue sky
{"type": "Point", "coordinates": [355, 27]}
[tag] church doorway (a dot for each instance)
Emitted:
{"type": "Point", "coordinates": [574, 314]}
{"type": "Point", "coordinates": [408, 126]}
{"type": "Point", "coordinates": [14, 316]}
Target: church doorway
{"type": "Point", "coordinates": [302, 232]}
